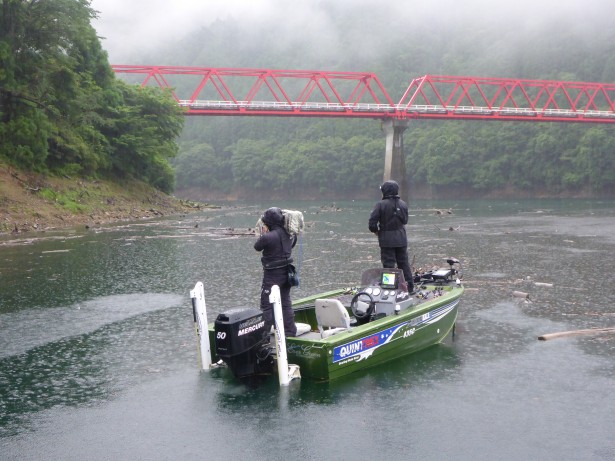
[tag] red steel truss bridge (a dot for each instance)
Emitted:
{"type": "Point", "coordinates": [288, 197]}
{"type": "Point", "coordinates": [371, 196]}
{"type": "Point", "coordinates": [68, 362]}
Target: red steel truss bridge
{"type": "Point", "coordinates": [211, 91]}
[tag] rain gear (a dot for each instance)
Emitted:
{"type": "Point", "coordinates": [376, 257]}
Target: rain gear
{"type": "Point", "coordinates": [388, 221]}
{"type": "Point", "coordinates": [276, 247]}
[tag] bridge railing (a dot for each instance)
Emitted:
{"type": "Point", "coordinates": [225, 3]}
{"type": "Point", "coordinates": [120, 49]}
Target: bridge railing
{"type": "Point", "coordinates": [286, 106]}
{"type": "Point", "coordinates": [397, 110]}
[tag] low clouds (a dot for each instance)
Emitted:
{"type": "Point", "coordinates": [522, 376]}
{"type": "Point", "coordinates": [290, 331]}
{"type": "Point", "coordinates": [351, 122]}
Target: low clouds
{"type": "Point", "coordinates": [140, 26]}
{"type": "Point", "coordinates": [132, 25]}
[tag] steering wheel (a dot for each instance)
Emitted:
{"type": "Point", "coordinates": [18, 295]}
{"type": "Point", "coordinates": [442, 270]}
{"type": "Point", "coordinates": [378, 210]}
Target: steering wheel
{"type": "Point", "coordinates": [359, 315]}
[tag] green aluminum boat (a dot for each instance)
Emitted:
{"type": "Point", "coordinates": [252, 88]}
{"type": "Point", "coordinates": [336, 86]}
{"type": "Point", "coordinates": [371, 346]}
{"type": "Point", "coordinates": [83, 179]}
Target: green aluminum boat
{"type": "Point", "coordinates": [339, 332]}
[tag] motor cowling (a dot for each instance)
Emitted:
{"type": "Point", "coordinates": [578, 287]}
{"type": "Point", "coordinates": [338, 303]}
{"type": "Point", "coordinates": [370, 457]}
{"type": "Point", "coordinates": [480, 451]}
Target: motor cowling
{"type": "Point", "coordinates": [242, 342]}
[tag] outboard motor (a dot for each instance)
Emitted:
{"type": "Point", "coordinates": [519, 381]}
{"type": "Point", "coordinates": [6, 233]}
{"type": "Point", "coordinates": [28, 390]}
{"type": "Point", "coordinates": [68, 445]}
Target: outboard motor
{"type": "Point", "coordinates": [243, 343]}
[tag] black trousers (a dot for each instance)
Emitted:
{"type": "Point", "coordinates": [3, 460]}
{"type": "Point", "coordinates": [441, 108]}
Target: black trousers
{"type": "Point", "coordinates": [398, 257]}
{"type": "Point", "coordinates": [278, 277]}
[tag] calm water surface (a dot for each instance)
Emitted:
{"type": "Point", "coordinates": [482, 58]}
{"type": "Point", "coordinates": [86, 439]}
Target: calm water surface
{"type": "Point", "coordinates": [98, 355]}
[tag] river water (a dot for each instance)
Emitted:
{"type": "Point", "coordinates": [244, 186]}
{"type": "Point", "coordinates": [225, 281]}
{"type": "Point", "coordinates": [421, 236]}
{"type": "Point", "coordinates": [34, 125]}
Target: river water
{"type": "Point", "coordinates": [98, 352]}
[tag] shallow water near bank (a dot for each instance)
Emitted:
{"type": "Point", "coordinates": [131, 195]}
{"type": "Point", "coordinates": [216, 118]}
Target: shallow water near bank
{"type": "Point", "coordinates": [98, 354]}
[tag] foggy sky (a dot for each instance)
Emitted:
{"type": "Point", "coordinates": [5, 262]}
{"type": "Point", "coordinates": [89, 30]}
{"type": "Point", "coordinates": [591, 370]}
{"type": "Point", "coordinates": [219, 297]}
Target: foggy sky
{"type": "Point", "coordinates": [129, 27]}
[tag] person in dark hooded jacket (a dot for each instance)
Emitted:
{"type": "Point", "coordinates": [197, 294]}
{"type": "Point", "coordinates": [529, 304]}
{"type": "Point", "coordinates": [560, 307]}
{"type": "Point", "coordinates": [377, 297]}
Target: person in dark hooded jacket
{"type": "Point", "coordinates": [276, 245]}
{"type": "Point", "coordinates": [388, 220]}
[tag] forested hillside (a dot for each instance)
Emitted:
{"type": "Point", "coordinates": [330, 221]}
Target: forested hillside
{"type": "Point", "coordinates": [258, 156]}
{"type": "Point", "coordinates": [63, 112]}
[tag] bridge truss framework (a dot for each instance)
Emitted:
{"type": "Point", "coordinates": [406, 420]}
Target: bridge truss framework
{"type": "Point", "coordinates": [205, 91]}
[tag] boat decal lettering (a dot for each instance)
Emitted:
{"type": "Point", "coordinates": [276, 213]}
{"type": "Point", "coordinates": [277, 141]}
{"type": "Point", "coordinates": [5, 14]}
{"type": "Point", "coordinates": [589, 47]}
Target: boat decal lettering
{"type": "Point", "coordinates": [250, 329]}
{"type": "Point", "coordinates": [434, 315]}
{"type": "Point", "coordinates": [363, 348]}
{"type": "Point", "coordinates": [307, 351]}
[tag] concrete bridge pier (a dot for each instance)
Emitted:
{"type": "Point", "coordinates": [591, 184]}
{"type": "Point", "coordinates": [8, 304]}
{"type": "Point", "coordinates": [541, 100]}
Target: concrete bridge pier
{"type": "Point", "coordinates": [394, 159]}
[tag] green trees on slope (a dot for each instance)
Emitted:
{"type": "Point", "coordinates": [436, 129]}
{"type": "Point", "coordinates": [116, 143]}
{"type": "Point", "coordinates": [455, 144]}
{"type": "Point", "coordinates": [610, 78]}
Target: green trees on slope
{"type": "Point", "coordinates": [478, 157]}
{"type": "Point", "coordinates": [346, 154]}
{"type": "Point", "coordinates": [63, 111]}
{"type": "Point", "coordinates": [61, 108]}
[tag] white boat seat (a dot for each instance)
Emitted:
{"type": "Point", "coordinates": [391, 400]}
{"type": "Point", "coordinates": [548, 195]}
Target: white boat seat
{"type": "Point", "coordinates": [332, 317]}
{"type": "Point", "coordinates": [302, 328]}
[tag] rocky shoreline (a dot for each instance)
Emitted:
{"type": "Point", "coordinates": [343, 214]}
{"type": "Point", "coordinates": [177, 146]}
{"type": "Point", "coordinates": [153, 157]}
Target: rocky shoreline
{"type": "Point", "coordinates": [31, 202]}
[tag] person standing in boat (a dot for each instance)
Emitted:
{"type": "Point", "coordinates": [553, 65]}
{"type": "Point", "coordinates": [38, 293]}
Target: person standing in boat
{"type": "Point", "coordinates": [388, 221]}
{"type": "Point", "coordinates": [276, 245]}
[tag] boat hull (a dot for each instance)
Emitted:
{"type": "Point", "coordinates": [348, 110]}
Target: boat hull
{"type": "Point", "coordinates": [376, 342]}
{"type": "Point", "coordinates": [420, 323]}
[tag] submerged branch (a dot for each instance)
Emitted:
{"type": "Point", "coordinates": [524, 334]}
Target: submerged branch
{"type": "Point", "coordinates": [591, 331]}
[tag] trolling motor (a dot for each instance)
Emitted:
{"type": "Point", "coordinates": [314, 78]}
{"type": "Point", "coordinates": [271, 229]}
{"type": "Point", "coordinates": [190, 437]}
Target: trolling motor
{"type": "Point", "coordinates": [444, 275]}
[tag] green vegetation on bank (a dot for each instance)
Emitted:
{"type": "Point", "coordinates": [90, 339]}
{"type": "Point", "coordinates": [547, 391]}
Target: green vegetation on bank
{"type": "Point", "coordinates": [64, 114]}
{"type": "Point", "coordinates": [31, 201]}
{"type": "Point", "coordinates": [61, 109]}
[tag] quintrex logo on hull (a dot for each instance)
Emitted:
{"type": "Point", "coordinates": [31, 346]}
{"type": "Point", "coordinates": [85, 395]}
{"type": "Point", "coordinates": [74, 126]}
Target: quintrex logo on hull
{"type": "Point", "coordinates": [364, 347]}
{"type": "Point", "coordinates": [355, 348]}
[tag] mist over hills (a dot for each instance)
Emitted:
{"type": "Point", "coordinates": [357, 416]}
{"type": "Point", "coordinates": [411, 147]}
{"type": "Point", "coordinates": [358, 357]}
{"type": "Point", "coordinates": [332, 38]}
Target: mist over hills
{"type": "Point", "coordinates": [65, 114]}
{"type": "Point", "coordinates": [524, 39]}
{"type": "Point", "coordinates": [561, 40]}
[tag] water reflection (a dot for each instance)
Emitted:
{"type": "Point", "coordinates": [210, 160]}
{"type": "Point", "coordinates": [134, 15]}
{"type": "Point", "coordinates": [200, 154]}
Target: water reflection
{"type": "Point", "coordinates": [430, 365]}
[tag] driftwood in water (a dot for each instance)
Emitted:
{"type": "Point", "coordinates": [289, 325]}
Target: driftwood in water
{"type": "Point", "coordinates": [236, 232]}
{"type": "Point", "coordinates": [443, 212]}
{"type": "Point", "coordinates": [591, 331]}
{"type": "Point", "coordinates": [450, 228]}
{"type": "Point", "coordinates": [230, 231]}
{"type": "Point", "coordinates": [521, 294]}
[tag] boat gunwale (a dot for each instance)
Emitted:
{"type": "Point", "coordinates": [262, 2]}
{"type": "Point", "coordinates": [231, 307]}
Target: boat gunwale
{"type": "Point", "coordinates": [304, 304]}
{"type": "Point", "coordinates": [331, 369]}
{"type": "Point", "coordinates": [454, 292]}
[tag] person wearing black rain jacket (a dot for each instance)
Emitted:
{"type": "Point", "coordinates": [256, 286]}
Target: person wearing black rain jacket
{"type": "Point", "coordinates": [276, 245]}
{"type": "Point", "coordinates": [388, 220]}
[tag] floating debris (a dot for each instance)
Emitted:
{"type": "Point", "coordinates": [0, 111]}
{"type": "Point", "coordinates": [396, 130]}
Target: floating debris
{"type": "Point", "coordinates": [231, 231]}
{"type": "Point", "coordinates": [451, 228]}
{"type": "Point", "coordinates": [521, 294]}
{"type": "Point", "coordinates": [332, 207]}
{"type": "Point", "coordinates": [591, 331]}
{"type": "Point", "coordinates": [444, 212]}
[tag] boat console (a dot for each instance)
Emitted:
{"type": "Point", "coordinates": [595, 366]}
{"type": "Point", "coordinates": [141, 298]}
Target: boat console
{"type": "Point", "coordinates": [384, 293]}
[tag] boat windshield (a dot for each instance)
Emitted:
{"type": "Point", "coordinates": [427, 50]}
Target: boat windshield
{"type": "Point", "coordinates": [376, 276]}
